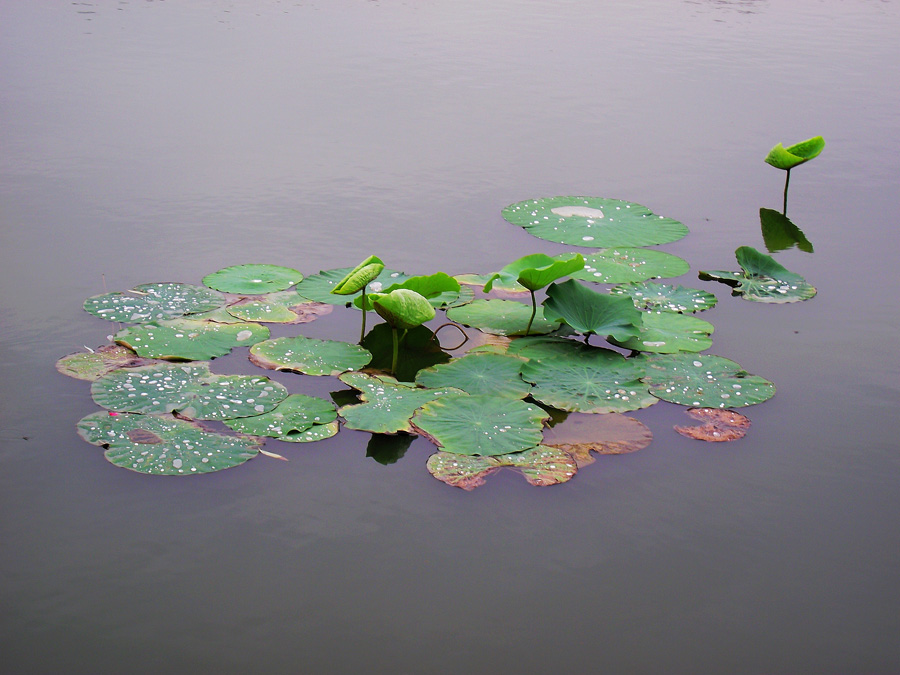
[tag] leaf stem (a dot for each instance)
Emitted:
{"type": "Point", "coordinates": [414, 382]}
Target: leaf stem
{"type": "Point", "coordinates": [362, 333]}
{"type": "Point", "coordinates": [787, 180]}
{"type": "Point", "coordinates": [533, 312]}
{"type": "Point", "coordinates": [396, 343]}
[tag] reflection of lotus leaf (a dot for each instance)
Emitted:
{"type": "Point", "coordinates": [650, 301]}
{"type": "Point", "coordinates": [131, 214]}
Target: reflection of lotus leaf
{"type": "Point", "coordinates": [593, 221]}
{"type": "Point", "coordinates": [184, 339]}
{"type": "Point", "coordinates": [621, 265]}
{"type": "Point", "coordinates": [718, 425]}
{"type": "Point", "coordinates": [610, 434]}
{"type": "Point", "coordinates": [665, 297]}
{"type": "Point", "coordinates": [253, 279]}
{"type": "Point", "coordinates": [479, 374]}
{"type": "Point", "coordinates": [762, 279]}
{"type": "Point", "coordinates": [541, 466]}
{"type": "Point", "coordinates": [154, 302]}
{"type": "Point", "coordinates": [780, 233]}
{"type": "Point", "coordinates": [420, 350]}
{"type": "Point", "coordinates": [318, 287]}
{"type": "Point", "coordinates": [309, 356]}
{"type": "Point", "coordinates": [164, 445]}
{"type": "Point", "coordinates": [290, 421]}
{"type": "Point", "coordinates": [284, 307]}
{"type": "Point", "coordinates": [670, 332]}
{"type": "Point", "coordinates": [500, 317]}
{"type": "Point", "coordinates": [96, 364]}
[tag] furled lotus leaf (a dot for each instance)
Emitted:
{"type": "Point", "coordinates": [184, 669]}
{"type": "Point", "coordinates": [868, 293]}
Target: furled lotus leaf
{"type": "Point", "coordinates": [498, 288]}
{"type": "Point", "coordinates": [541, 466]}
{"type": "Point", "coordinates": [388, 449]}
{"type": "Point", "coordinates": [703, 380]}
{"type": "Point", "coordinates": [665, 297]}
{"type": "Point", "coordinates": [439, 289]}
{"type": "Point", "coordinates": [586, 379]}
{"type": "Point", "coordinates": [420, 350]}
{"type": "Point", "coordinates": [762, 279]}
{"type": "Point", "coordinates": [163, 445]}
{"type": "Point", "coordinates": [95, 364]}
{"type": "Point", "coordinates": [480, 425]}
{"type": "Point", "coordinates": [621, 265]}
{"type": "Point", "coordinates": [253, 279]}
{"type": "Point", "coordinates": [479, 374]}
{"type": "Point", "coordinates": [780, 234]}
{"type": "Point", "coordinates": [402, 308]}
{"type": "Point", "coordinates": [309, 356]}
{"type": "Point", "coordinates": [387, 404]}
{"type": "Point", "coordinates": [536, 271]}
{"type": "Point", "coordinates": [718, 425]}
{"type": "Point", "coordinates": [589, 312]}
{"type": "Point", "coordinates": [154, 302]}
{"type": "Point", "coordinates": [359, 277]}
{"type": "Point", "coordinates": [189, 389]}
{"type": "Point", "coordinates": [669, 332]}
{"type": "Point", "coordinates": [593, 221]}
{"type": "Point", "coordinates": [318, 287]}
{"type": "Point", "coordinates": [794, 155]}
{"type": "Point", "coordinates": [283, 307]}
{"type": "Point", "coordinates": [185, 339]}
{"type": "Point", "coordinates": [500, 317]}
{"type": "Point", "coordinates": [290, 421]}
{"type": "Point", "coordinates": [611, 434]}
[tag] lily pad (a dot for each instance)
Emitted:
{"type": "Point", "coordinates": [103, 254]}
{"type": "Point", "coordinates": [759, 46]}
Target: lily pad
{"type": "Point", "coordinates": [95, 364]}
{"type": "Point", "coordinates": [622, 265]}
{"type": "Point", "coordinates": [669, 332]}
{"type": "Point", "coordinates": [283, 307]}
{"type": "Point", "coordinates": [154, 302]}
{"type": "Point", "coordinates": [164, 445]}
{"type": "Point", "coordinates": [794, 155]}
{"type": "Point", "coordinates": [500, 317]}
{"type": "Point", "coordinates": [718, 425]}
{"type": "Point", "coordinates": [594, 222]}
{"type": "Point", "coordinates": [666, 297]}
{"type": "Point", "coordinates": [591, 313]}
{"type": "Point", "coordinates": [318, 287]}
{"type": "Point", "coordinates": [191, 390]}
{"type": "Point", "coordinates": [253, 279]}
{"type": "Point", "coordinates": [309, 356]}
{"type": "Point", "coordinates": [184, 339]}
{"type": "Point", "coordinates": [762, 279]}
{"type": "Point", "coordinates": [703, 380]}
{"type": "Point", "coordinates": [611, 434]}
{"type": "Point", "coordinates": [476, 374]}
{"type": "Point", "coordinates": [498, 288]}
{"type": "Point", "coordinates": [290, 421]}
{"type": "Point", "coordinates": [541, 466]}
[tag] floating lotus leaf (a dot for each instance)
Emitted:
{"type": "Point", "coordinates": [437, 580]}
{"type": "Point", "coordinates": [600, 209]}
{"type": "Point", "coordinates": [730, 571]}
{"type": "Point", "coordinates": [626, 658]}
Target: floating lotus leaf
{"type": "Point", "coordinates": [439, 289]}
{"type": "Point", "coordinates": [589, 380]}
{"type": "Point", "coordinates": [154, 302]}
{"type": "Point", "coordinates": [498, 288]}
{"type": "Point", "coordinates": [359, 277]}
{"type": "Point", "coordinates": [253, 279]}
{"type": "Point", "coordinates": [593, 222]}
{"type": "Point", "coordinates": [780, 234]}
{"type": "Point", "coordinates": [388, 449]}
{"type": "Point", "coordinates": [611, 434]}
{"type": "Point", "coordinates": [762, 279]}
{"type": "Point", "coordinates": [283, 307]}
{"type": "Point", "coordinates": [536, 271]}
{"type": "Point", "coordinates": [318, 287]}
{"type": "Point", "coordinates": [500, 317]}
{"type": "Point", "coordinates": [544, 346]}
{"type": "Point", "coordinates": [420, 350]}
{"type": "Point", "coordinates": [703, 380]}
{"type": "Point", "coordinates": [665, 297]}
{"type": "Point", "coordinates": [794, 155]}
{"type": "Point", "coordinates": [541, 466]}
{"type": "Point", "coordinates": [669, 332]}
{"type": "Point", "coordinates": [189, 389]}
{"type": "Point", "coordinates": [317, 432]}
{"type": "Point", "coordinates": [402, 308]}
{"type": "Point", "coordinates": [622, 265]}
{"type": "Point", "coordinates": [185, 339]}
{"type": "Point", "coordinates": [309, 356]}
{"type": "Point", "coordinates": [290, 421]}
{"type": "Point", "coordinates": [589, 312]}
{"type": "Point", "coordinates": [219, 315]}
{"type": "Point", "coordinates": [387, 404]}
{"type": "Point", "coordinates": [718, 425]}
{"type": "Point", "coordinates": [95, 364]}
{"type": "Point", "coordinates": [480, 425]}
{"type": "Point", "coordinates": [479, 374]}
{"type": "Point", "coordinates": [164, 446]}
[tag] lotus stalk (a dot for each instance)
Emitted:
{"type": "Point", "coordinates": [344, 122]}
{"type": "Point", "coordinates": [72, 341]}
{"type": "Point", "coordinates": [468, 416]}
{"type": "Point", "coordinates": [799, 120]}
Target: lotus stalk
{"type": "Point", "coordinates": [794, 155]}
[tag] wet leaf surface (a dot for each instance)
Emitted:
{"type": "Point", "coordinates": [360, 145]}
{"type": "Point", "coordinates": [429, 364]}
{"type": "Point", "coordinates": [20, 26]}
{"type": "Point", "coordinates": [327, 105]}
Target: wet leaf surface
{"type": "Point", "coordinates": [500, 317]}
{"type": "Point", "coordinates": [610, 434]}
{"type": "Point", "coordinates": [669, 332]}
{"type": "Point", "coordinates": [309, 356]}
{"type": "Point", "coordinates": [253, 279]}
{"type": "Point", "coordinates": [154, 302]}
{"type": "Point", "coordinates": [718, 425]}
{"type": "Point", "coordinates": [762, 279]}
{"type": "Point", "coordinates": [479, 374]}
{"type": "Point", "coordinates": [622, 265]}
{"type": "Point", "coordinates": [188, 340]}
{"type": "Point", "coordinates": [291, 420]}
{"type": "Point", "coordinates": [540, 466]}
{"type": "Point", "coordinates": [666, 297]}
{"type": "Point", "coordinates": [94, 365]}
{"type": "Point", "coordinates": [285, 307]}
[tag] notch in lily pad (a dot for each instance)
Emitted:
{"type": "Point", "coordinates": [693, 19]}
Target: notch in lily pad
{"type": "Point", "coordinates": [356, 281]}
{"type": "Point", "coordinates": [786, 158]}
{"type": "Point", "coordinates": [762, 279]}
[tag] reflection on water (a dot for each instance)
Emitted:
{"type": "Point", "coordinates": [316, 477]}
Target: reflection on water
{"type": "Point", "coordinates": [780, 234]}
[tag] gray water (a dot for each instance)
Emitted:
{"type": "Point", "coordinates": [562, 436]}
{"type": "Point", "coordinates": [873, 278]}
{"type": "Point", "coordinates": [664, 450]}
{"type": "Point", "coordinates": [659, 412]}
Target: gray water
{"type": "Point", "coordinates": [160, 141]}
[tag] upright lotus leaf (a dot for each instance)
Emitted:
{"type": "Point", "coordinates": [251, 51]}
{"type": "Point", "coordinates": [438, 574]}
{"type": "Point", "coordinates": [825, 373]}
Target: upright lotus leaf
{"type": "Point", "coordinates": [762, 279]}
{"type": "Point", "coordinates": [593, 222]}
{"type": "Point", "coordinates": [387, 404]}
{"type": "Point", "coordinates": [590, 380]}
{"type": "Point", "coordinates": [190, 389]}
{"type": "Point", "coordinates": [621, 265]}
{"type": "Point", "coordinates": [360, 276]}
{"type": "Point", "coordinates": [541, 466]}
{"type": "Point", "coordinates": [669, 332]}
{"type": "Point", "coordinates": [794, 155]}
{"type": "Point", "coordinates": [666, 297]}
{"type": "Point", "coordinates": [154, 302]}
{"type": "Point", "coordinates": [717, 425]}
{"type": "Point", "coordinates": [421, 349]}
{"type": "Point", "coordinates": [480, 425]}
{"type": "Point", "coordinates": [476, 374]}
{"type": "Point", "coordinates": [388, 449]}
{"type": "Point", "coordinates": [318, 287]}
{"type": "Point", "coordinates": [780, 234]}
{"type": "Point", "coordinates": [589, 312]}
{"type": "Point", "coordinates": [294, 416]}
{"type": "Point", "coordinates": [283, 307]}
{"type": "Point", "coordinates": [188, 340]}
{"type": "Point", "coordinates": [402, 308]}
{"type": "Point", "coordinates": [309, 356]}
{"type": "Point", "coordinates": [440, 289]}
{"type": "Point", "coordinates": [500, 317]}
{"type": "Point", "coordinates": [703, 381]}
{"type": "Point", "coordinates": [96, 363]}
{"type": "Point", "coordinates": [610, 434]}
{"type": "Point", "coordinates": [164, 445]}
{"type": "Point", "coordinates": [253, 279]}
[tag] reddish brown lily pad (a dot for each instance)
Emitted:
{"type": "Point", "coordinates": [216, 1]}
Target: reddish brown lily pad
{"type": "Point", "coordinates": [607, 434]}
{"type": "Point", "coordinates": [718, 425]}
{"type": "Point", "coordinates": [541, 466]}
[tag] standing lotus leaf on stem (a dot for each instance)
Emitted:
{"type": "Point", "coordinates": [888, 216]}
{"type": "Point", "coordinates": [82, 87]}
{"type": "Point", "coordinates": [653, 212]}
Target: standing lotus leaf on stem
{"type": "Point", "coordinates": [794, 155]}
{"type": "Point", "coordinates": [356, 281]}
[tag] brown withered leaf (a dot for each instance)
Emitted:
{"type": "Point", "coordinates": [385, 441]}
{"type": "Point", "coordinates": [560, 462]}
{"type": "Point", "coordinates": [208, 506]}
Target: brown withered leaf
{"type": "Point", "coordinates": [606, 434]}
{"type": "Point", "coordinates": [718, 425]}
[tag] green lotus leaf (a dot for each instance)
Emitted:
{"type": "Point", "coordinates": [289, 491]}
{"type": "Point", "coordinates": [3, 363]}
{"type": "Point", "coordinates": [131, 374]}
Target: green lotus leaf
{"type": "Point", "coordinates": [669, 332]}
{"type": "Point", "coordinates": [154, 302]}
{"type": "Point", "coordinates": [665, 297]}
{"type": "Point", "coordinates": [589, 312]}
{"type": "Point", "coordinates": [253, 279]}
{"type": "Point", "coordinates": [164, 445]}
{"type": "Point", "coordinates": [318, 287]}
{"type": "Point", "coordinates": [621, 265]}
{"type": "Point", "coordinates": [283, 307]}
{"type": "Point", "coordinates": [317, 432]}
{"type": "Point", "coordinates": [611, 434]}
{"type": "Point", "coordinates": [480, 425]}
{"type": "Point", "coordinates": [500, 317]}
{"type": "Point", "coordinates": [794, 155]}
{"type": "Point", "coordinates": [420, 350]}
{"type": "Point", "coordinates": [290, 421]}
{"type": "Point", "coordinates": [703, 381]}
{"type": "Point", "coordinates": [360, 276]}
{"type": "Point", "coordinates": [218, 315]}
{"type": "Point", "coordinates": [586, 379]}
{"type": "Point", "coordinates": [309, 356]}
{"type": "Point", "coordinates": [541, 466]}
{"type": "Point", "coordinates": [189, 389]}
{"type": "Point", "coordinates": [387, 404]}
{"type": "Point", "coordinates": [402, 308]}
{"type": "Point", "coordinates": [185, 339]}
{"type": "Point", "coordinates": [594, 222]}
{"type": "Point", "coordinates": [97, 363]}
{"type": "Point", "coordinates": [780, 234]}
{"type": "Point", "coordinates": [762, 279]}
{"type": "Point", "coordinates": [479, 374]}
{"type": "Point", "coordinates": [439, 289]}
{"type": "Point", "coordinates": [497, 288]}
{"type": "Point", "coordinates": [536, 271]}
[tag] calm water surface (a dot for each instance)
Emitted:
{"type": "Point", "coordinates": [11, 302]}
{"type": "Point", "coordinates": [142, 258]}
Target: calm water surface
{"type": "Point", "coordinates": [160, 141]}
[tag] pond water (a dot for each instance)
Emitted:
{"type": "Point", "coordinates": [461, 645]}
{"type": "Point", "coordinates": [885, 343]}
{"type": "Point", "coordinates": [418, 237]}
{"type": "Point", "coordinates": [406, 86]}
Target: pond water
{"type": "Point", "coordinates": [160, 141]}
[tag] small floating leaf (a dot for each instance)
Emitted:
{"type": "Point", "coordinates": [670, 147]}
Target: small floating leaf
{"type": "Point", "coordinates": [309, 356]}
{"type": "Point", "coordinates": [665, 297]}
{"type": "Point", "coordinates": [610, 434]}
{"type": "Point", "coordinates": [253, 279]}
{"type": "Point", "coordinates": [589, 312]}
{"type": "Point", "coordinates": [622, 265]}
{"type": "Point", "coordinates": [762, 279]}
{"type": "Point", "coordinates": [500, 317]}
{"type": "Point", "coordinates": [718, 425]}
{"type": "Point", "coordinates": [669, 332]}
{"type": "Point", "coordinates": [284, 307]}
{"type": "Point", "coordinates": [479, 374]}
{"type": "Point", "coordinates": [95, 364]}
{"type": "Point", "coordinates": [184, 339]}
{"type": "Point", "coordinates": [794, 155]}
{"type": "Point", "coordinates": [541, 466]}
{"type": "Point", "coordinates": [154, 302]}
{"type": "Point", "coordinates": [295, 415]}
